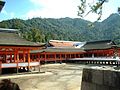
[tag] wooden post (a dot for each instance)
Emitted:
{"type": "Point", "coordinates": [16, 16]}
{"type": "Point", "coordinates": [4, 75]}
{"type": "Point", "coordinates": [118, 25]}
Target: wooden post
{"type": "Point", "coordinates": [10, 57]}
{"type": "Point", "coordinates": [45, 60]}
{"type": "Point", "coordinates": [24, 59]}
{"type": "Point", "coordinates": [39, 61]}
{"type": "Point", "coordinates": [17, 56]}
{"type": "Point", "coordinates": [61, 58]}
{"type": "Point", "coordinates": [55, 57]}
{"type": "Point", "coordinates": [0, 67]}
{"type": "Point", "coordinates": [70, 56]}
{"type": "Point", "coordinates": [28, 60]}
{"type": "Point", "coordinates": [5, 56]}
{"type": "Point", "coordinates": [45, 57]}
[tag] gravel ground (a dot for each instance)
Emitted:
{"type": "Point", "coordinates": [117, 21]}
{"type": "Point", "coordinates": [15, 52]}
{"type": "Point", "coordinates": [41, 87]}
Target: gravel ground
{"type": "Point", "coordinates": [58, 77]}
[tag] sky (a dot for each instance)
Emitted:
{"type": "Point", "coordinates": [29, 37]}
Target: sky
{"type": "Point", "coordinates": [27, 9]}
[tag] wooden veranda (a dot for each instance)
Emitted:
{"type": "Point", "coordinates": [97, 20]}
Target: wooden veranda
{"type": "Point", "coordinates": [15, 51]}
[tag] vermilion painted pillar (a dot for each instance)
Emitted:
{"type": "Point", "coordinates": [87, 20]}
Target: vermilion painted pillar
{"type": "Point", "coordinates": [62, 58]}
{"type": "Point", "coordinates": [38, 57]}
{"type": "Point", "coordinates": [17, 58]}
{"type": "Point", "coordinates": [55, 56]}
{"type": "Point", "coordinates": [0, 67]}
{"type": "Point", "coordinates": [39, 61]}
{"type": "Point", "coordinates": [66, 57]}
{"type": "Point", "coordinates": [70, 56]}
{"type": "Point", "coordinates": [10, 57]}
{"type": "Point", "coordinates": [45, 56]}
{"type": "Point", "coordinates": [28, 59]}
{"type": "Point", "coordinates": [32, 57]}
{"type": "Point", "coordinates": [5, 56]}
{"type": "Point", "coordinates": [24, 59]}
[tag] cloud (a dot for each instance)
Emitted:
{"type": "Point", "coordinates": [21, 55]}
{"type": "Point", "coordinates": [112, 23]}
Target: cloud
{"type": "Point", "coordinates": [4, 12]}
{"type": "Point", "coordinates": [64, 8]}
{"type": "Point", "coordinates": [12, 14]}
{"type": "Point", "coordinates": [8, 14]}
{"type": "Point", "coordinates": [54, 8]}
{"type": "Point", "coordinates": [57, 9]}
{"type": "Point", "coordinates": [91, 17]}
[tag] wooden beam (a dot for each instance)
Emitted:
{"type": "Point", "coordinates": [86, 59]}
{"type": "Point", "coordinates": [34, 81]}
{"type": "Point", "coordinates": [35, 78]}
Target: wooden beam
{"type": "Point", "coordinates": [22, 47]}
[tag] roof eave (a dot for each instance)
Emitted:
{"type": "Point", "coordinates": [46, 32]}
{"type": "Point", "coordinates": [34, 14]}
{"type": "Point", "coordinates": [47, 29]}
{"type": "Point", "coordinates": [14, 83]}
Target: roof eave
{"type": "Point", "coordinates": [2, 3]}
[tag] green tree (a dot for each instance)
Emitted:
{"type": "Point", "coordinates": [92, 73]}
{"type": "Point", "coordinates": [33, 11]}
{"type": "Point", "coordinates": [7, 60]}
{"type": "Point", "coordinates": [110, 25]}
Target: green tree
{"type": "Point", "coordinates": [36, 35]}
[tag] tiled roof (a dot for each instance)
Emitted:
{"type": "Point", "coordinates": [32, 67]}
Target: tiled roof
{"type": "Point", "coordinates": [61, 43]}
{"type": "Point", "coordinates": [103, 44]}
{"type": "Point", "coordinates": [2, 3]}
{"type": "Point", "coordinates": [54, 49]}
{"type": "Point", "coordinates": [10, 37]}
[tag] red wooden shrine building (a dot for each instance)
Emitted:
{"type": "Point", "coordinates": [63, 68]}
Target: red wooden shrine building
{"type": "Point", "coordinates": [57, 54]}
{"type": "Point", "coordinates": [101, 48]}
{"type": "Point", "coordinates": [65, 50]}
{"type": "Point", "coordinates": [58, 51]}
{"type": "Point", "coordinates": [15, 51]}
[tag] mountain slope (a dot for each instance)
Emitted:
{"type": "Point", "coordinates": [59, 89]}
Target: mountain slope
{"type": "Point", "coordinates": [44, 29]}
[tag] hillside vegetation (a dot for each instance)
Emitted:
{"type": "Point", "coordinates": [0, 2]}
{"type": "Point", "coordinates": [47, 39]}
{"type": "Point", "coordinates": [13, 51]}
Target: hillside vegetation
{"type": "Point", "coordinates": [45, 29]}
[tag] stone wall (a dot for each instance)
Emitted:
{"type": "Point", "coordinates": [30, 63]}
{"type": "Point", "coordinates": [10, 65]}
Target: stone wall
{"type": "Point", "coordinates": [99, 79]}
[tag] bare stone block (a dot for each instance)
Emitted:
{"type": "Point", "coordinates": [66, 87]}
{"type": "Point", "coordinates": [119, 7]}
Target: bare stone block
{"type": "Point", "coordinates": [108, 78]}
{"type": "Point", "coordinates": [102, 87]}
{"type": "Point", "coordinates": [114, 88]}
{"type": "Point", "coordinates": [84, 86]}
{"type": "Point", "coordinates": [116, 79]}
{"type": "Point", "coordinates": [97, 76]}
{"type": "Point", "coordinates": [87, 75]}
{"type": "Point", "coordinates": [88, 86]}
{"type": "Point", "coordinates": [112, 78]}
{"type": "Point", "coordinates": [94, 79]}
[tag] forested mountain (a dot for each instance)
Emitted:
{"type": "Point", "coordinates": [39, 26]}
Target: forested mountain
{"type": "Point", "coordinates": [44, 29]}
